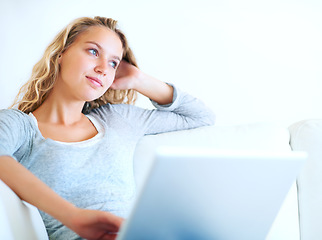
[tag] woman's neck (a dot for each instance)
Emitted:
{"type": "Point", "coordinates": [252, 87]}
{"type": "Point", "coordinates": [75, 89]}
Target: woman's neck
{"type": "Point", "coordinates": [59, 111]}
{"type": "Point", "coordinates": [64, 122]}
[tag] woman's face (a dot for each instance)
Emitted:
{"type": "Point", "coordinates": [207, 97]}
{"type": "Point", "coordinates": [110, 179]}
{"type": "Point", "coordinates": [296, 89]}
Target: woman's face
{"type": "Point", "coordinates": [88, 66]}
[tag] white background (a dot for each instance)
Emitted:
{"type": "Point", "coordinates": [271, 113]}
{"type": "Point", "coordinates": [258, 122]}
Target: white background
{"type": "Point", "coordinates": [250, 61]}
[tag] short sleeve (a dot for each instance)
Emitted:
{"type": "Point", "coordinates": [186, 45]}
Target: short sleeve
{"type": "Point", "coordinates": [15, 131]}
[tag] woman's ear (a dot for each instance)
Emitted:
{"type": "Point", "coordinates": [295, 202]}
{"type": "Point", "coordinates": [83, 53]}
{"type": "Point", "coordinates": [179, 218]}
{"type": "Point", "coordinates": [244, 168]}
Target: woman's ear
{"type": "Point", "coordinates": [59, 58]}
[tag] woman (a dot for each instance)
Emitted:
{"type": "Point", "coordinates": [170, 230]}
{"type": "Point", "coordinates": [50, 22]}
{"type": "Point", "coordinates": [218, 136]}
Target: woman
{"type": "Point", "coordinates": [68, 148]}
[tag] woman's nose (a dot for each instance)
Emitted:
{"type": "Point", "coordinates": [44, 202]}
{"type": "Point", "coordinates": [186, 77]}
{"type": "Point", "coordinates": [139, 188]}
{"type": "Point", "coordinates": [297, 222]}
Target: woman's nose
{"type": "Point", "coordinates": [101, 67]}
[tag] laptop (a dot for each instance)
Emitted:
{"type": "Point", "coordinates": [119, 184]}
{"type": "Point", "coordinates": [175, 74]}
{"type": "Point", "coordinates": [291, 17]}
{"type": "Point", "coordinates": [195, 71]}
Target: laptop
{"type": "Point", "coordinates": [205, 194]}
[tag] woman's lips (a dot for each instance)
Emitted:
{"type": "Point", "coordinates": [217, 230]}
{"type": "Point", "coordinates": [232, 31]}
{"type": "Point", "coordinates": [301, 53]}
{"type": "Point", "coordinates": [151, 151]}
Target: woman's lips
{"type": "Point", "coordinates": [97, 82]}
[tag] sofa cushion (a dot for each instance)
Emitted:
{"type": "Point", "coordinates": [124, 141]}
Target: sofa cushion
{"type": "Point", "coordinates": [307, 136]}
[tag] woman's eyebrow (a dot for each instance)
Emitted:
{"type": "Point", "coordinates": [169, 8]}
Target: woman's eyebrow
{"type": "Point", "coordinates": [95, 43]}
{"type": "Point", "coordinates": [100, 47]}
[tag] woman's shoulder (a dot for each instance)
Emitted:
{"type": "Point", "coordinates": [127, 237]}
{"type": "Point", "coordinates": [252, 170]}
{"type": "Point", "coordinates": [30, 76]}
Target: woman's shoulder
{"type": "Point", "coordinates": [16, 123]}
{"type": "Point", "coordinates": [112, 109]}
{"type": "Point", "coordinates": [12, 113]}
{"type": "Point", "coordinates": [116, 113]}
{"type": "Point", "coordinates": [14, 116]}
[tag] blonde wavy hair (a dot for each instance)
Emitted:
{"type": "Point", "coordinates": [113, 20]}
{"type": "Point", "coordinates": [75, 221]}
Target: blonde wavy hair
{"type": "Point", "coordinates": [44, 74]}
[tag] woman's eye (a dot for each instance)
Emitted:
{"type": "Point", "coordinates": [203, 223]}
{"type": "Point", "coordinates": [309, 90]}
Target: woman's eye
{"type": "Point", "coordinates": [113, 64]}
{"type": "Point", "coordinates": [93, 52]}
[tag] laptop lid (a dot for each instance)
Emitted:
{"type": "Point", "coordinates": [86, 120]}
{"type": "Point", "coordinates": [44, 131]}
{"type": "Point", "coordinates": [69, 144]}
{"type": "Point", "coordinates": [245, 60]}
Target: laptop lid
{"type": "Point", "coordinates": [207, 194]}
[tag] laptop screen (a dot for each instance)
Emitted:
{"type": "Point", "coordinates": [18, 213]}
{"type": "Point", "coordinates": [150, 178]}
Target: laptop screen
{"type": "Point", "coordinates": [207, 194]}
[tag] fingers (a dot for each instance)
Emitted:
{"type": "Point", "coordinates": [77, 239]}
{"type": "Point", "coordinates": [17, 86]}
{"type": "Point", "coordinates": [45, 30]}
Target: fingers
{"type": "Point", "coordinates": [109, 236]}
{"type": "Point", "coordinates": [111, 223]}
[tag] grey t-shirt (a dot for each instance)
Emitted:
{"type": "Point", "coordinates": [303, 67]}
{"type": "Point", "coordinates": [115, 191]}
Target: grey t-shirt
{"type": "Point", "coordinates": [96, 173]}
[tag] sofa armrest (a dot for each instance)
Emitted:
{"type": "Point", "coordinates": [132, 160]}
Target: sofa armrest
{"type": "Point", "coordinates": [21, 220]}
{"type": "Point", "coordinates": [256, 136]}
{"type": "Point", "coordinates": [307, 136]}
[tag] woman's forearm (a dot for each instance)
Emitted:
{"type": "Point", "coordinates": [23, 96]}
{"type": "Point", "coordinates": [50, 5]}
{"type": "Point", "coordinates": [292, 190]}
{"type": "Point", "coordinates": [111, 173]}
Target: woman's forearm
{"type": "Point", "coordinates": [32, 190]}
{"type": "Point", "coordinates": [154, 89]}
{"type": "Point", "coordinates": [90, 224]}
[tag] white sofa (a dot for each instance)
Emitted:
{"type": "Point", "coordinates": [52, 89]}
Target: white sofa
{"type": "Point", "coordinates": [299, 217]}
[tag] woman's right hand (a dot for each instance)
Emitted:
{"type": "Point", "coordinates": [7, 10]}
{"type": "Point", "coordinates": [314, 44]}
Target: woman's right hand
{"type": "Point", "coordinates": [93, 224]}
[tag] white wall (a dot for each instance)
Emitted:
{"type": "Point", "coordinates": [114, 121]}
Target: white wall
{"type": "Point", "coordinates": [249, 60]}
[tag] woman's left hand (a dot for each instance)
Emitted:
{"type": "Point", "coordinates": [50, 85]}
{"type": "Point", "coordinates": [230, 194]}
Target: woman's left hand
{"type": "Point", "coordinates": [126, 75]}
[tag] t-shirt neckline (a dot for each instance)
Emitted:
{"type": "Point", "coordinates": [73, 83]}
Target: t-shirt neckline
{"type": "Point", "coordinates": [96, 124]}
